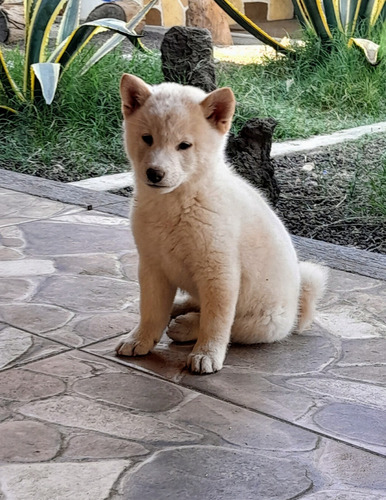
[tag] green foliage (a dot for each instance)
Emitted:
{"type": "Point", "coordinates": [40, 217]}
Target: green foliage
{"type": "Point", "coordinates": [354, 19]}
{"type": "Point", "coordinates": [43, 70]}
{"type": "Point", "coordinates": [79, 135]}
{"type": "Point", "coordinates": [325, 88]}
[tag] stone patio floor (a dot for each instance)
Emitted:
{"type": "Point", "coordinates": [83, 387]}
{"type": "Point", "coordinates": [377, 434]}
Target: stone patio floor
{"type": "Point", "coordinates": [304, 418]}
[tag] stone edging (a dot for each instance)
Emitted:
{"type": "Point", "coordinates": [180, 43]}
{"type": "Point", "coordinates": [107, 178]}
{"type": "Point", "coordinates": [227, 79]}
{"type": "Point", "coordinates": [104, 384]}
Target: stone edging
{"type": "Point", "coordinates": [321, 141]}
{"type": "Point", "coordinates": [335, 256]}
{"type": "Point", "coordinates": [119, 181]}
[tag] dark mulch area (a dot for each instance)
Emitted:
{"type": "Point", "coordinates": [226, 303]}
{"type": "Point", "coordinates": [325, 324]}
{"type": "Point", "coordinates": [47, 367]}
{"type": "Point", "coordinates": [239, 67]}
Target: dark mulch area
{"type": "Point", "coordinates": [325, 194]}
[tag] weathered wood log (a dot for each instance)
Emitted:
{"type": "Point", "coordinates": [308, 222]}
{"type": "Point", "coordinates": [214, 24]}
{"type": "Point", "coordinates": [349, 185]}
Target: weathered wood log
{"type": "Point", "coordinates": [207, 14]}
{"type": "Point", "coordinates": [123, 10]}
{"type": "Point", "coordinates": [249, 153]}
{"type": "Point", "coordinates": [12, 23]}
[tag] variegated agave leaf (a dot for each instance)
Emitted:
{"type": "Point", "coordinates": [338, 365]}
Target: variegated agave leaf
{"type": "Point", "coordinates": [47, 76]}
{"type": "Point", "coordinates": [116, 39]}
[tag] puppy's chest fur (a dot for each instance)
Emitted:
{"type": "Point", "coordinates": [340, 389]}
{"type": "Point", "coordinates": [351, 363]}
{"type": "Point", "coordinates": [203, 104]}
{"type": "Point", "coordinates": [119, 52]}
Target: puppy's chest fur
{"type": "Point", "coordinates": [183, 239]}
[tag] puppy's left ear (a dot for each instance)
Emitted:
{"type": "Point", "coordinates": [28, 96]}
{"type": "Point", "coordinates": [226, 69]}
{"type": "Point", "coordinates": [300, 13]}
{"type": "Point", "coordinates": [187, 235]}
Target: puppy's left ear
{"type": "Point", "coordinates": [218, 108]}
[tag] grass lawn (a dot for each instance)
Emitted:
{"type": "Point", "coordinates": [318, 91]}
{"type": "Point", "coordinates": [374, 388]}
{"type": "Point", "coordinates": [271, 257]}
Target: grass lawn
{"type": "Point", "coordinates": [79, 135]}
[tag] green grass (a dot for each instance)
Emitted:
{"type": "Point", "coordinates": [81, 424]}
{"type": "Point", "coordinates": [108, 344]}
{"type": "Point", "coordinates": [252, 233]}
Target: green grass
{"type": "Point", "coordinates": [79, 135]}
{"type": "Point", "coordinates": [325, 89]}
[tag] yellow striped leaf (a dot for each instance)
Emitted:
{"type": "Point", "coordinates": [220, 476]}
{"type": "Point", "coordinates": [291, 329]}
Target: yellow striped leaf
{"type": "Point", "coordinates": [9, 86]}
{"type": "Point", "coordinates": [369, 48]}
{"type": "Point", "coordinates": [47, 75]}
{"type": "Point", "coordinates": [251, 27]}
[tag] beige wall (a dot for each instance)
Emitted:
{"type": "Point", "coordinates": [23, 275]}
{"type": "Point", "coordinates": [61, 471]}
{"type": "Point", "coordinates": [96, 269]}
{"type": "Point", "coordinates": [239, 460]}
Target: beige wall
{"type": "Point", "coordinates": [172, 12]}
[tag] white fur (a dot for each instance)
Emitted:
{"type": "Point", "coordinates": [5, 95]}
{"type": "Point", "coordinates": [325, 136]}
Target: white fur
{"type": "Point", "coordinates": [209, 233]}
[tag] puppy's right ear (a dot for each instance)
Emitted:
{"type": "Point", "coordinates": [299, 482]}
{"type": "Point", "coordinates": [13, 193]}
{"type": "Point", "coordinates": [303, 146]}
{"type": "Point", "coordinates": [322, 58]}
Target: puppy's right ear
{"type": "Point", "coordinates": [134, 93]}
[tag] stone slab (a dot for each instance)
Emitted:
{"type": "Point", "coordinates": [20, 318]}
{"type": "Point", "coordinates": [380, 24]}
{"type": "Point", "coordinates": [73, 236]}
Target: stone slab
{"type": "Point", "coordinates": [97, 446]}
{"type": "Point", "coordinates": [23, 385]}
{"type": "Point", "coordinates": [15, 289]}
{"type": "Point", "coordinates": [65, 481]}
{"type": "Point", "coordinates": [91, 265]}
{"type": "Point", "coordinates": [87, 293]}
{"type": "Point", "coordinates": [61, 238]}
{"type": "Point", "coordinates": [26, 267]}
{"type": "Point", "coordinates": [91, 415]}
{"type": "Point", "coordinates": [243, 428]}
{"type": "Point", "coordinates": [18, 347]}
{"type": "Point", "coordinates": [181, 441]}
{"type": "Point", "coordinates": [34, 317]}
{"type": "Point", "coordinates": [27, 441]}
{"type": "Point", "coordinates": [214, 472]}
{"type": "Point", "coordinates": [21, 206]}
{"type": "Point", "coordinates": [132, 391]}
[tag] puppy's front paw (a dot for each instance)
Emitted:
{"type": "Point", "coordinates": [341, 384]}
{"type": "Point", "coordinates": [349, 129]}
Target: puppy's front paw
{"type": "Point", "coordinates": [199, 362]}
{"type": "Point", "coordinates": [132, 345]}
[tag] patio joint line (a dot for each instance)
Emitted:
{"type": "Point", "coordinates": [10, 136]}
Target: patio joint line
{"type": "Point", "coordinates": [238, 405]}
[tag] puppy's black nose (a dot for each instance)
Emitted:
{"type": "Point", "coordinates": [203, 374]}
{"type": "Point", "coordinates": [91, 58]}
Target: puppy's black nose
{"type": "Point", "coordinates": [155, 175]}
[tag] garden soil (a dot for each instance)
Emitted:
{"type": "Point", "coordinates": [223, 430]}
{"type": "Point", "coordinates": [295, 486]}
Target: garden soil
{"type": "Point", "coordinates": [325, 194]}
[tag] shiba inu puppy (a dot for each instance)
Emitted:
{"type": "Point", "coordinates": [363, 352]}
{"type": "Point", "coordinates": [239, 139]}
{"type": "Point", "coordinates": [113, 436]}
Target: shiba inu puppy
{"type": "Point", "coordinates": [201, 229]}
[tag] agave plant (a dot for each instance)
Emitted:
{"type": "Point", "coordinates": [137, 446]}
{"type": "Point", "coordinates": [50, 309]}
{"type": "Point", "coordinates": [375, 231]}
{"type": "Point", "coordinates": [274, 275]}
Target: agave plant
{"type": "Point", "coordinates": [43, 70]}
{"type": "Point", "coordinates": [324, 17]}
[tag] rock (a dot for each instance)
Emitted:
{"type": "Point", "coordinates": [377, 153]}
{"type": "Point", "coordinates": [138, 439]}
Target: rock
{"type": "Point", "coordinates": [249, 154]}
{"type": "Point", "coordinates": [187, 57]}
{"type": "Point", "coordinates": [207, 14]}
{"type": "Point", "coordinates": [122, 10]}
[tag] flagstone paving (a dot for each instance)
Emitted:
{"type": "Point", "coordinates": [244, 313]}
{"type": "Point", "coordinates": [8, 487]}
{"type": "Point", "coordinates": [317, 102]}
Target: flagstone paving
{"type": "Point", "coordinates": [304, 418]}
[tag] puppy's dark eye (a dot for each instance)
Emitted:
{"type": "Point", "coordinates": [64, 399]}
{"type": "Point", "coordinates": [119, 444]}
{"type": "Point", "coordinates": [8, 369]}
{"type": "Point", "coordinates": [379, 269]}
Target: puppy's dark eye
{"type": "Point", "coordinates": [183, 145]}
{"type": "Point", "coordinates": [148, 139]}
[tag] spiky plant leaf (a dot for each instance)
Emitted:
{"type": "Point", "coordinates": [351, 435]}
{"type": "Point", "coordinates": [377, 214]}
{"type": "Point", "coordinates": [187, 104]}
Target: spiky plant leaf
{"type": "Point", "coordinates": [7, 110]}
{"type": "Point", "coordinates": [9, 86]}
{"type": "Point", "coordinates": [83, 34]}
{"type": "Point", "coordinates": [251, 27]}
{"type": "Point", "coordinates": [47, 75]}
{"type": "Point", "coordinates": [116, 39]}
{"type": "Point", "coordinates": [43, 16]}
{"type": "Point", "coordinates": [70, 20]}
{"type": "Point", "coordinates": [369, 48]}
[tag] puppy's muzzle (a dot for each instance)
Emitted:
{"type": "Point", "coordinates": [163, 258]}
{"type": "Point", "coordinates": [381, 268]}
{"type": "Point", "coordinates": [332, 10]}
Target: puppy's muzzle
{"type": "Point", "coordinates": [155, 174]}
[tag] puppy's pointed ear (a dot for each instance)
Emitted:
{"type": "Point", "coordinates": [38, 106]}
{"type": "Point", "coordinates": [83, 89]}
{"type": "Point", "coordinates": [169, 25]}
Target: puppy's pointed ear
{"type": "Point", "coordinates": [218, 108]}
{"type": "Point", "coordinates": [134, 93]}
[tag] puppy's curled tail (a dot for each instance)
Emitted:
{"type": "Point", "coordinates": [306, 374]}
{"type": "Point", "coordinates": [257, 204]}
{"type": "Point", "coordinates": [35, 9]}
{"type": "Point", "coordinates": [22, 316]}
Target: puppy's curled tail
{"type": "Point", "coordinates": [313, 282]}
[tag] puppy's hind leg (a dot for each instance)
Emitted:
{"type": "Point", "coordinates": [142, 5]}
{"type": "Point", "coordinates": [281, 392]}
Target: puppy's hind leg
{"type": "Point", "coordinates": [185, 328]}
{"type": "Point", "coordinates": [183, 304]}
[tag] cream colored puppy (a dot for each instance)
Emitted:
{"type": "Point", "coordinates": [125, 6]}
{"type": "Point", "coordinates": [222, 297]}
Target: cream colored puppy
{"type": "Point", "coordinates": [202, 229]}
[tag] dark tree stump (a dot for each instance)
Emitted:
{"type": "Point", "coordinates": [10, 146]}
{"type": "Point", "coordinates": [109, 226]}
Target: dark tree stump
{"type": "Point", "coordinates": [249, 154]}
{"type": "Point", "coordinates": [123, 10]}
{"type": "Point", "coordinates": [12, 23]}
{"type": "Point", "coordinates": [187, 57]}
